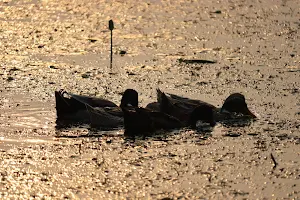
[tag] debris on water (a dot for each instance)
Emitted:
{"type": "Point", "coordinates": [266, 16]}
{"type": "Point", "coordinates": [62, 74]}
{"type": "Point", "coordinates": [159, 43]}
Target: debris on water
{"type": "Point", "coordinates": [92, 40]}
{"type": "Point", "coordinates": [122, 52]}
{"type": "Point", "coordinates": [53, 67]}
{"type": "Point", "coordinates": [86, 75]}
{"type": "Point", "coordinates": [14, 69]}
{"type": "Point", "coordinates": [130, 73]}
{"type": "Point", "coordinates": [196, 61]}
{"type": "Point", "coordinates": [10, 78]}
{"type": "Point", "coordinates": [253, 134]}
{"type": "Point", "coordinates": [230, 134]}
{"type": "Point", "coordinates": [274, 161]}
{"type": "Point", "coordinates": [202, 83]}
{"type": "Point", "coordinates": [108, 141]}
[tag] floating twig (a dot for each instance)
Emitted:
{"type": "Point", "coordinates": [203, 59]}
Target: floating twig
{"type": "Point", "coordinates": [196, 61]}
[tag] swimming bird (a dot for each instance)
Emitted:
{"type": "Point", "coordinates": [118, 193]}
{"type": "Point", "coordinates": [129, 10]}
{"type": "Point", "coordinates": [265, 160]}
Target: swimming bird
{"type": "Point", "coordinates": [186, 110]}
{"type": "Point", "coordinates": [143, 121]}
{"type": "Point", "coordinates": [236, 104]}
{"type": "Point", "coordinates": [105, 118]}
{"type": "Point", "coordinates": [182, 107]}
{"type": "Point", "coordinates": [76, 109]}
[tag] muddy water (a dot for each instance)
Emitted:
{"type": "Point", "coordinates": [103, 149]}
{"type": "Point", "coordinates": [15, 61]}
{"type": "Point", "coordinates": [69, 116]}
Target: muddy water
{"type": "Point", "coordinates": [25, 121]}
{"type": "Point", "coordinates": [50, 45]}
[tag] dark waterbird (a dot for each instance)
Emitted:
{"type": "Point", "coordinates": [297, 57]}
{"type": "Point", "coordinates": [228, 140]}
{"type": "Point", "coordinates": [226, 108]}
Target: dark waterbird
{"type": "Point", "coordinates": [143, 121]}
{"type": "Point", "coordinates": [188, 111]}
{"type": "Point", "coordinates": [236, 104]}
{"type": "Point", "coordinates": [105, 118]}
{"type": "Point", "coordinates": [183, 108]}
{"type": "Point", "coordinates": [76, 109]}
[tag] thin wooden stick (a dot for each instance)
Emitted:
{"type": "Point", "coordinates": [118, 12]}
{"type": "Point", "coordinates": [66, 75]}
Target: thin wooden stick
{"type": "Point", "coordinates": [111, 28]}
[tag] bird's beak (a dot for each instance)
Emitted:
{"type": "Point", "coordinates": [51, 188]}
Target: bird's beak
{"type": "Point", "coordinates": [249, 113]}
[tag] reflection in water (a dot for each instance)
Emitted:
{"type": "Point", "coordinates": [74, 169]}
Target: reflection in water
{"type": "Point", "coordinates": [24, 121]}
{"type": "Point", "coordinates": [44, 139]}
{"type": "Point", "coordinates": [237, 123]}
{"type": "Point", "coordinates": [32, 115]}
{"type": "Point", "coordinates": [7, 143]}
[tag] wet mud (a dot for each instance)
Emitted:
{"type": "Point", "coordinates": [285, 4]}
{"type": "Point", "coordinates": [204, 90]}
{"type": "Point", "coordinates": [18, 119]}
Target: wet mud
{"type": "Point", "coordinates": [199, 49]}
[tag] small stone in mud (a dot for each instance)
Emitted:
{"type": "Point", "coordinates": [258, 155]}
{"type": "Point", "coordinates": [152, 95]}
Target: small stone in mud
{"type": "Point", "coordinates": [218, 12]}
{"type": "Point", "coordinates": [41, 46]}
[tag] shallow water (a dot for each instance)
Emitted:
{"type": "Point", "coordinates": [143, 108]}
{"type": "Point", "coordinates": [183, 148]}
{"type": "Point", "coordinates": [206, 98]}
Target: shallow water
{"type": "Point", "coordinates": [25, 121]}
{"type": "Point", "coordinates": [183, 159]}
{"type": "Point", "coordinates": [51, 45]}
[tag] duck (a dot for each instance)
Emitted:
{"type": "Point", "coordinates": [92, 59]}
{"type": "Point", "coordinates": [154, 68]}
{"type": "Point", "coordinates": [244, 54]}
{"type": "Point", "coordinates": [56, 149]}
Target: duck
{"type": "Point", "coordinates": [106, 118]}
{"type": "Point", "coordinates": [144, 121]}
{"type": "Point", "coordinates": [182, 108]}
{"type": "Point", "coordinates": [76, 109]}
{"type": "Point", "coordinates": [236, 104]}
{"type": "Point", "coordinates": [189, 111]}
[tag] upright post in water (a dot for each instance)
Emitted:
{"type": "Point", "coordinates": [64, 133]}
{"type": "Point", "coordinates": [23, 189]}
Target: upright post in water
{"type": "Point", "coordinates": [111, 27]}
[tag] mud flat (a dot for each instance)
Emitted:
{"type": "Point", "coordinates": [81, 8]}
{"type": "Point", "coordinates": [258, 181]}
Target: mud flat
{"type": "Point", "coordinates": [49, 45]}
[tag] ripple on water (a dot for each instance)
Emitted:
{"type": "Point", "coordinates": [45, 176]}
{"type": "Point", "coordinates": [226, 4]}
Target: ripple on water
{"type": "Point", "coordinates": [24, 120]}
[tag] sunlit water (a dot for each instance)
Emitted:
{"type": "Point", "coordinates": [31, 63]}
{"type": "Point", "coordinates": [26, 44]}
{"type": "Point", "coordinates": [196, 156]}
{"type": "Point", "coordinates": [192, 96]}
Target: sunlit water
{"type": "Point", "coordinates": [25, 121]}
